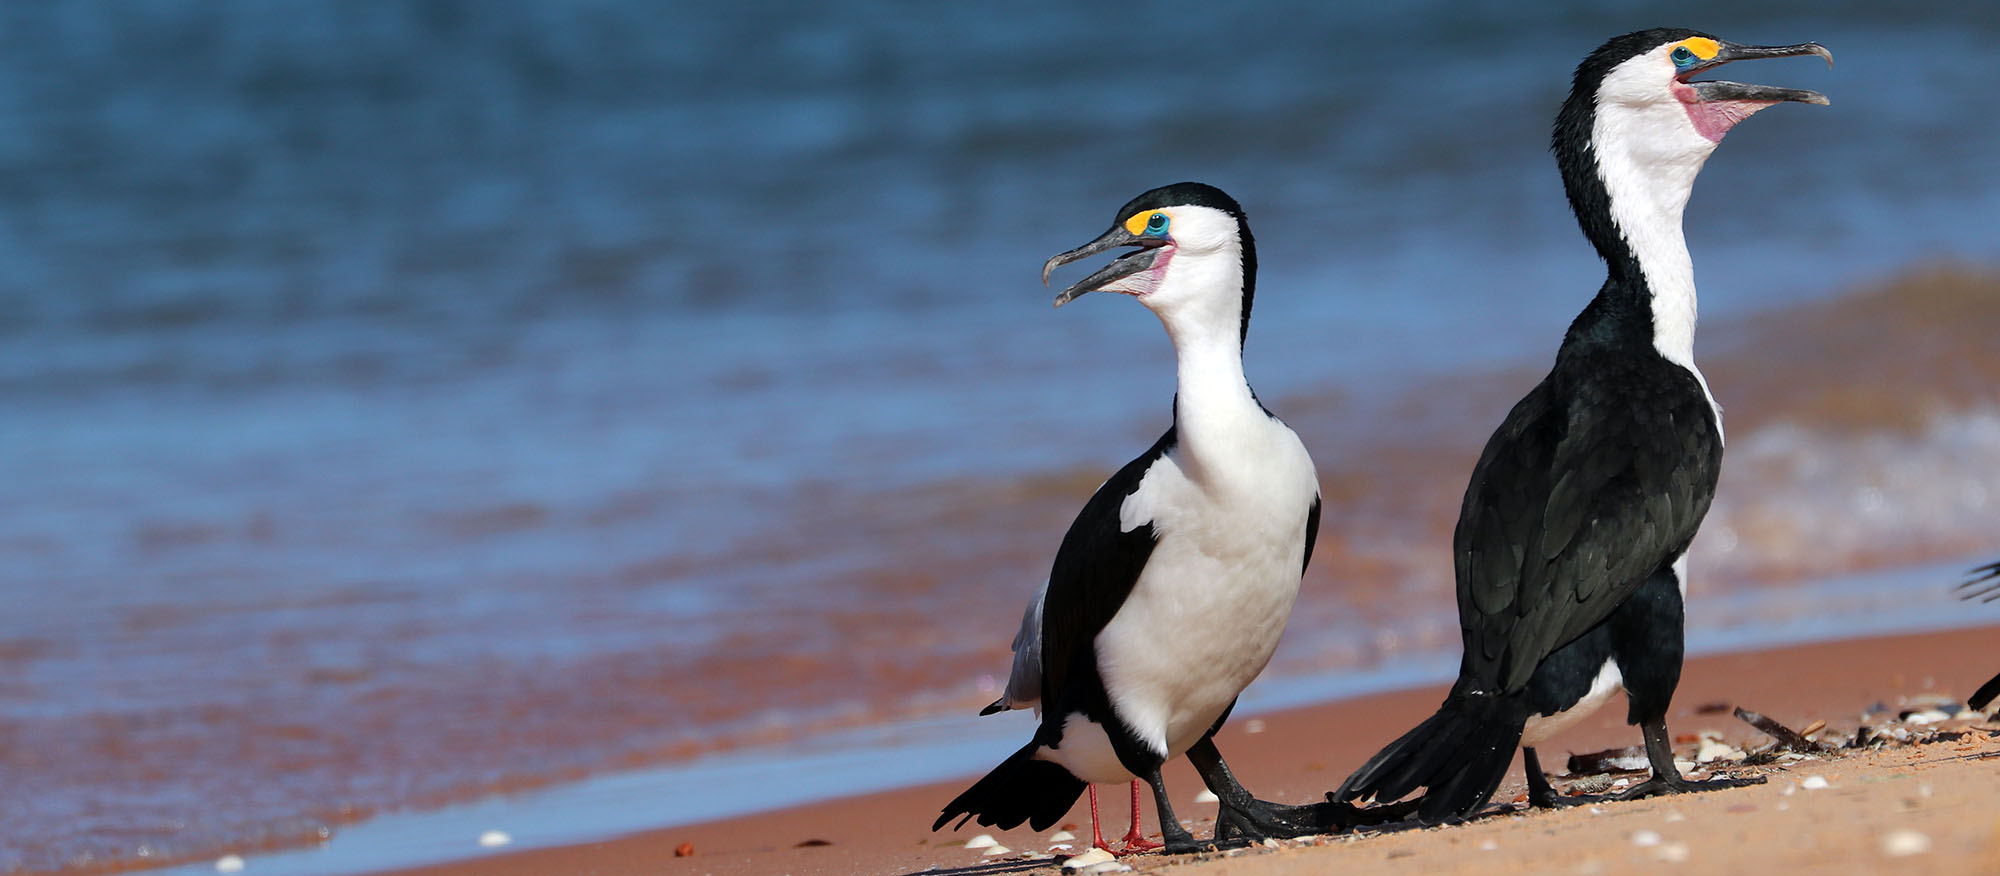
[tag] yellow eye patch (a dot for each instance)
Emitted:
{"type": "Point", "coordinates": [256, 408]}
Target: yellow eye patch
{"type": "Point", "coordinates": [1703, 47]}
{"type": "Point", "coordinates": [1141, 222]}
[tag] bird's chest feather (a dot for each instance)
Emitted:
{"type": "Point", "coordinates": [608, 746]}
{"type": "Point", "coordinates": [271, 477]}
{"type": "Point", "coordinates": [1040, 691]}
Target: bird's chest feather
{"type": "Point", "coordinates": [1206, 613]}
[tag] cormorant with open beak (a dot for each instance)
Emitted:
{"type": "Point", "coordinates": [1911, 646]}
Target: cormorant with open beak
{"type": "Point", "coordinates": [1571, 544]}
{"type": "Point", "coordinates": [1171, 588]}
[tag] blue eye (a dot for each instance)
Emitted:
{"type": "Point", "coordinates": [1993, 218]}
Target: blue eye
{"type": "Point", "coordinates": [1682, 57]}
{"type": "Point", "coordinates": [1156, 224]}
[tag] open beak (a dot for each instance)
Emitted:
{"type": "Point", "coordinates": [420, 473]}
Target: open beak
{"type": "Point", "coordinates": [1715, 90]}
{"type": "Point", "coordinates": [1124, 266]}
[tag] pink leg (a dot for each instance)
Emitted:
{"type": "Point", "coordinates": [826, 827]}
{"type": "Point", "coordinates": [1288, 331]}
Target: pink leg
{"type": "Point", "coordinates": [1134, 842]}
{"type": "Point", "coordinates": [1096, 836]}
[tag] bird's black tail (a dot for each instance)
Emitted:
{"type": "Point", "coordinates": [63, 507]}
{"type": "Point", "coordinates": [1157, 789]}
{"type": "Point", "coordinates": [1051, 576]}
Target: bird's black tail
{"type": "Point", "coordinates": [1985, 694]}
{"type": "Point", "coordinates": [1459, 755]}
{"type": "Point", "coordinates": [1020, 789]}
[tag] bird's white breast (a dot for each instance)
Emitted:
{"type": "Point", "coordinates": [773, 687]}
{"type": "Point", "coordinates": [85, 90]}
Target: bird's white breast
{"type": "Point", "coordinates": [1206, 613]}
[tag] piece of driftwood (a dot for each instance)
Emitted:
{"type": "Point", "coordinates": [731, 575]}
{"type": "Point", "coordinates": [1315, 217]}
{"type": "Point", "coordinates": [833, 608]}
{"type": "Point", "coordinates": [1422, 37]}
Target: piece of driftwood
{"type": "Point", "coordinates": [1788, 739]}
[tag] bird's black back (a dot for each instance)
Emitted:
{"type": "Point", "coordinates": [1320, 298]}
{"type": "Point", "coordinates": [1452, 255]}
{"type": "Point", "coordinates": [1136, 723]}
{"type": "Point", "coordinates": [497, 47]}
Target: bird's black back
{"type": "Point", "coordinates": [1596, 479]}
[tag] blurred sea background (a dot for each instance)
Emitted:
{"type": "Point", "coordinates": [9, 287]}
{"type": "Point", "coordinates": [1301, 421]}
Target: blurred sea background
{"type": "Point", "coordinates": [401, 402]}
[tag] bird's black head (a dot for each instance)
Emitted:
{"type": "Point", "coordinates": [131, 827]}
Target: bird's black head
{"type": "Point", "coordinates": [1638, 124]}
{"type": "Point", "coordinates": [1193, 250]}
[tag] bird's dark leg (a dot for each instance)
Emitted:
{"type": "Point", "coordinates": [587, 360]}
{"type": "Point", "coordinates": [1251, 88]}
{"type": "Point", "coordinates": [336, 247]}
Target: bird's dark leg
{"type": "Point", "coordinates": [1136, 842]}
{"type": "Point", "coordinates": [1541, 794]}
{"type": "Point", "coordinates": [1178, 840]}
{"type": "Point", "coordinates": [1243, 816]}
{"type": "Point", "coordinates": [1666, 777]}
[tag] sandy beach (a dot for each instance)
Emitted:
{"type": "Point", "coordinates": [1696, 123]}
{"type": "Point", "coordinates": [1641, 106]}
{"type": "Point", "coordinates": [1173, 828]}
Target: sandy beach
{"type": "Point", "coordinates": [1940, 790]}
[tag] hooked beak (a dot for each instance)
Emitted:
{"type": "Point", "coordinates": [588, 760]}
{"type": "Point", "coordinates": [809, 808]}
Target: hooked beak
{"type": "Point", "coordinates": [1715, 90]}
{"type": "Point", "coordinates": [1124, 266]}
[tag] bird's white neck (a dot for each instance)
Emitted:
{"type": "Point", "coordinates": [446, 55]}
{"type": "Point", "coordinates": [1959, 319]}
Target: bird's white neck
{"type": "Point", "coordinates": [1648, 183]}
{"type": "Point", "coordinates": [1213, 408]}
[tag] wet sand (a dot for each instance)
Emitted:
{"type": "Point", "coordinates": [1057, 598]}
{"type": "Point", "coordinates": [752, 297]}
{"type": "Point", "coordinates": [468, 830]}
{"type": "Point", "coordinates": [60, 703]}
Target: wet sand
{"type": "Point", "coordinates": [1295, 755]}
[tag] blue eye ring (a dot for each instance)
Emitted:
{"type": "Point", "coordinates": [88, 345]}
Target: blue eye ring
{"type": "Point", "coordinates": [1681, 56]}
{"type": "Point", "coordinates": [1156, 225]}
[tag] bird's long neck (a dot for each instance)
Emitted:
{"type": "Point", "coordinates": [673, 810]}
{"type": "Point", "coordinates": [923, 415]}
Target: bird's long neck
{"type": "Point", "coordinates": [1214, 410]}
{"type": "Point", "coordinates": [1630, 201]}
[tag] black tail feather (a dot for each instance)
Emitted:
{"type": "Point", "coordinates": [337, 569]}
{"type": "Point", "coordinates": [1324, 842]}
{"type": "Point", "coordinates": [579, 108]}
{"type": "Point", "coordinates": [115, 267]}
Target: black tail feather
{"type": "Point", "coordinates": [1458, 755]}
{"type": "Point", "coordinates": [1020, 789]}
{"type": "Point", "coordinates": [1985, 694]}
{"type": "Point", "coordinates": [1982, 583]}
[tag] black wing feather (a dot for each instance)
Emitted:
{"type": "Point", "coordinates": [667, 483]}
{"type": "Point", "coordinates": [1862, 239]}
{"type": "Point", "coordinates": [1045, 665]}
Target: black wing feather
{"type": "Point", "coordinates": [1312, 534]}
{"type": "Point", "coordinates": [1095, 570]}
{"type": "Point", "coordinates": [1583, 492]}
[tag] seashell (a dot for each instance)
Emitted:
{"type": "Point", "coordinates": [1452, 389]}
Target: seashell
{"type": "Point", "coordinates": [1904, 843]}
{"type": "Point", "coordinates": [1090, 858]}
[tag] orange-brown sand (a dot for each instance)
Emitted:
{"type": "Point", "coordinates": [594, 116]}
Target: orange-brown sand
{"type": "Point", "coordinates": [1941, 791]}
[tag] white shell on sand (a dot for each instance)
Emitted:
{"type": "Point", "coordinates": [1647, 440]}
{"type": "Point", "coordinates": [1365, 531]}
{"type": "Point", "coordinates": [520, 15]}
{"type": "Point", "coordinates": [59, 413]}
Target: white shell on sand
{"type": "Point", "coordinates": [1904, 843]}
{"type": "Point", "coordinates": [1206, 796]}
{"type": "Point", "coordinates": [1814, 783]}
{"type": "Point", "coordinates": [998, 850]}
{"type": "Point", "coordinates": [229, 864]}
{"type": "Point", "coordinates": [1713, 750]}
{"type": "Point", "coordinates": [1646, 838]}
{"type": "Point", "coordinates": [494, 839]}
{"type": "Point", "coordinates": [1673, 853]}
{"type": "Point", "coordinates": [982, 841]}
{"type": "Point", "coordinates": [1061, 836]}
{"type": "Point", "coordinates": [1090, 858]}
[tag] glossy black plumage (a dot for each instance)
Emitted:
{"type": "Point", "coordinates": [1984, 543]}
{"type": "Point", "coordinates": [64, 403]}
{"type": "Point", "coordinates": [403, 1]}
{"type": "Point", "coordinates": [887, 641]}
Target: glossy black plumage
{"type": "Point", "coordinates": [1581, 502]}
{"type": "Point", "coordinates": [1599, 477]}
{"type": "Point", "coordinates": [1595, 482]}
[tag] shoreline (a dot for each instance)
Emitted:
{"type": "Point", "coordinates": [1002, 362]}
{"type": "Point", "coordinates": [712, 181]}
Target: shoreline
{"type": "Point", "coordinates": [1290, 755]}
{"type": "Point", "coordinates": [1860, 482]}
{"type": "Point", "coordinates": [946, 750]}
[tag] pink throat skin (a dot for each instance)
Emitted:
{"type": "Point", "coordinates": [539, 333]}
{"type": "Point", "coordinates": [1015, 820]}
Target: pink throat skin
{"type": "Point", "coordinates": [1144, 284]}
{"type": "Point", "coordinates": [1712, 119]}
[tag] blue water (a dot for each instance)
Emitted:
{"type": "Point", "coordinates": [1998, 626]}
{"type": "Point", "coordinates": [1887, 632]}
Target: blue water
{"type": "Point", "coordinates": [354, 353]}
